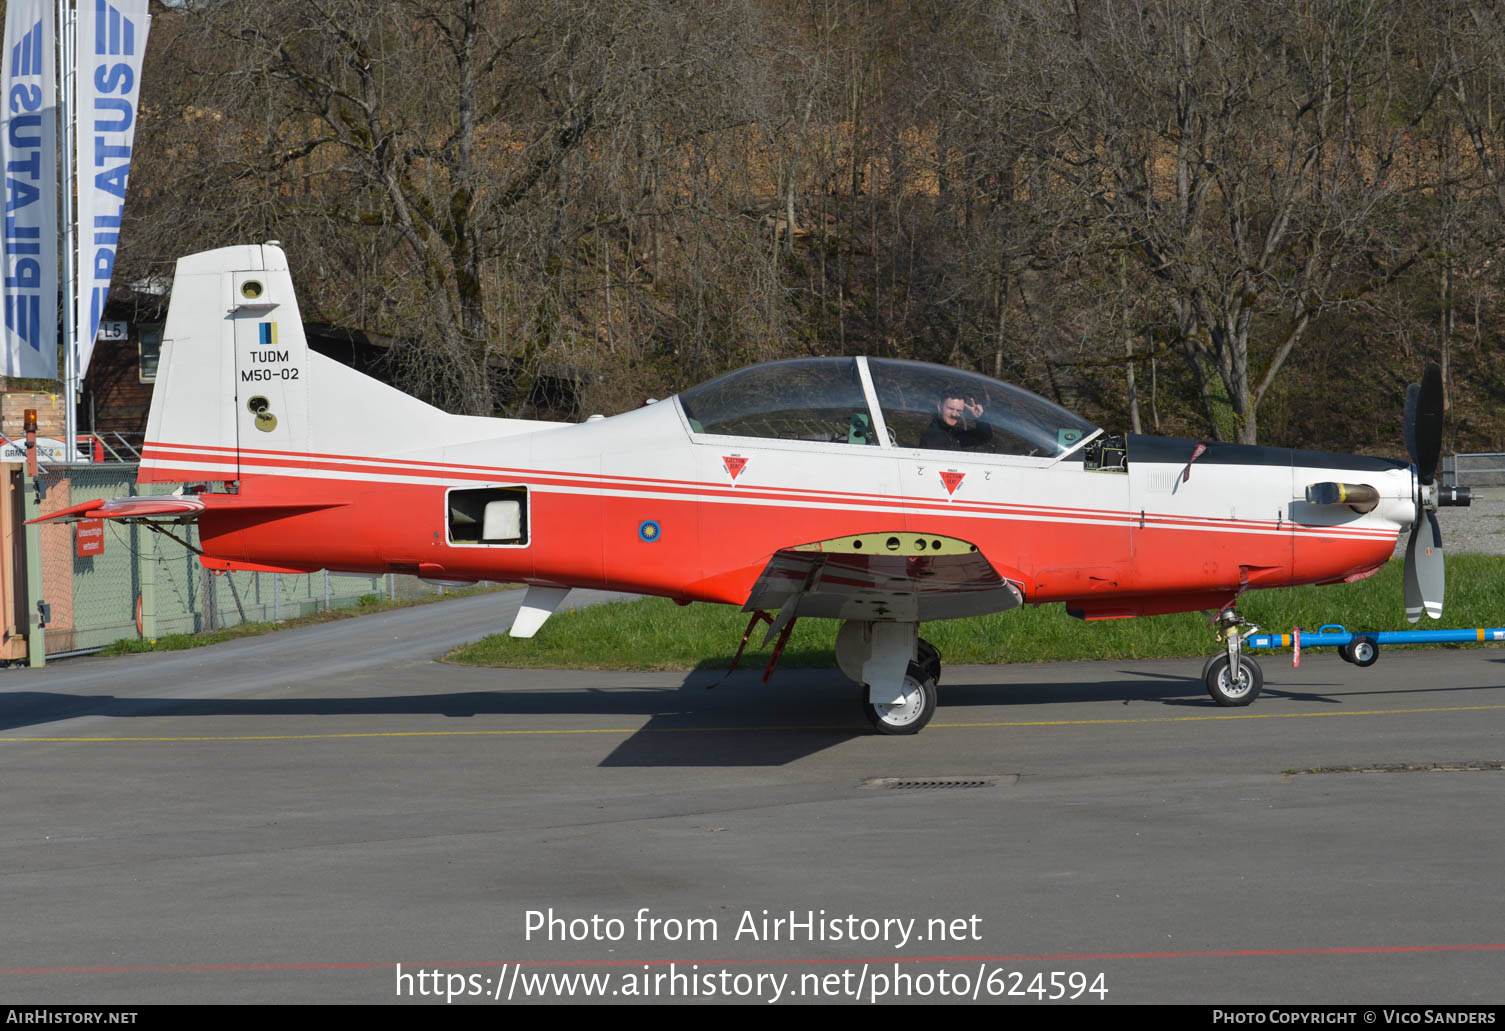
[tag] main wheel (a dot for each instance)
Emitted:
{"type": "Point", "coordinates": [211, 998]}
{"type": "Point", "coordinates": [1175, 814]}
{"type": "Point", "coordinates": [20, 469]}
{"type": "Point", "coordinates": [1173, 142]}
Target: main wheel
{"type": "Point", "coordinates": [930, 660]}
{"type": "Point", "coordinates": [1233, 690]}
{"type": "Point", "coordinates": [910, 713]}
{"type": "Point", "coordinates": [1364, 651]}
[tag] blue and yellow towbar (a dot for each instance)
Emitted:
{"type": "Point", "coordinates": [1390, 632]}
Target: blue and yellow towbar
{"type": "Point", "coordinates": [1333, 634]}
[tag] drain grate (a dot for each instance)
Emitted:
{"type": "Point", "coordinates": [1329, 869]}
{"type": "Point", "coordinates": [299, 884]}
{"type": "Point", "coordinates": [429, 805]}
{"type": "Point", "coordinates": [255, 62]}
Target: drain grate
{"type": "Point", "coordinates": [1438, 767]}
{"type": "Point", "coordinates": [929, 783]}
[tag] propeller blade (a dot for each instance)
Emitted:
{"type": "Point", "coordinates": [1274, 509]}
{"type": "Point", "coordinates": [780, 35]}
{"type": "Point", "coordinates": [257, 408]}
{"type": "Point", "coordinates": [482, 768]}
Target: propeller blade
{"type": "Point", "coordinates": [1425, 579]}
{"type": "Point", "coordinates": [1428, 424]}
{"type": "Point", "coordinates": [1413, 585]}
{"type": "Point", "coordinates": [1429, 570]}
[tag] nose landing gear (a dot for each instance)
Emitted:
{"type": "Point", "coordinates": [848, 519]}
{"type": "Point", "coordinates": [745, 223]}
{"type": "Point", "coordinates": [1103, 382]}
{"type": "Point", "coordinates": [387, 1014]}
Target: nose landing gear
{"type": "Point", "coordinates": [1232, 678]}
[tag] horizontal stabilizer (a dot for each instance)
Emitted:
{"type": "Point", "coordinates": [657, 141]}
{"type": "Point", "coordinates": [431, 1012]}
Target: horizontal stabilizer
{"type": "Point", "coordinates": [182, 508]}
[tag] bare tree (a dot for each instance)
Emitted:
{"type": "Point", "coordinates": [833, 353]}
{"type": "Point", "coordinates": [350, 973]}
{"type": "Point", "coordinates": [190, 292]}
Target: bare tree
{"type": "Point", "coordinates": [445, 155]}
{"type": "Point", "coordinates": [1245, 154]}
{"type": "Point", "coordinates": [640, 194]}
{"type": "Point", "coordinates": [1471, 36]}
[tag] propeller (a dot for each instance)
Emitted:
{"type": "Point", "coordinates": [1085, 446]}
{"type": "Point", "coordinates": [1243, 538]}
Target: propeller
{"type": "Point", "coordinates": [1424, 572]}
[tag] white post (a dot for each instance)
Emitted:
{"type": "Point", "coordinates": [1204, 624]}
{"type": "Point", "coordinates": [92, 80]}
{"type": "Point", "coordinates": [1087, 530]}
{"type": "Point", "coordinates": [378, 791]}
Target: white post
{"type": "Point", "coordinates": [66, 117]}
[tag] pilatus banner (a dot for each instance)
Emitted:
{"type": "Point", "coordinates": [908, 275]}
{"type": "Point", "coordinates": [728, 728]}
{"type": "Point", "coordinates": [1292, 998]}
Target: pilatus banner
{"type": "Point", "coordinates": [111, 43]}
{"type": "Point", "coordinates": [28, 151]}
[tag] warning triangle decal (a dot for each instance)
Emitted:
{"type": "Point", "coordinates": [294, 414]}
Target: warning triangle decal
{"type": "Point", "coordinates": [952, 479]}
{"type": "Point", "coordinates": [734, 465]}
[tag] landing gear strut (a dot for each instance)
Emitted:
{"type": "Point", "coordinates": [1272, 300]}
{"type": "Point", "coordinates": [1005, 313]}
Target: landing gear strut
{"type": "Point", "coordinates": [1232, 678]}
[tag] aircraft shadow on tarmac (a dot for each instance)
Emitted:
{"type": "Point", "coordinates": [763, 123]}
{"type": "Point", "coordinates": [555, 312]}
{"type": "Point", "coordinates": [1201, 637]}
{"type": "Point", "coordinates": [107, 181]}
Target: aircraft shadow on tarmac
{"type": "Point", "coordinates": [1286, 690]}
{"type": "Point", "coordinates": [740, 723]}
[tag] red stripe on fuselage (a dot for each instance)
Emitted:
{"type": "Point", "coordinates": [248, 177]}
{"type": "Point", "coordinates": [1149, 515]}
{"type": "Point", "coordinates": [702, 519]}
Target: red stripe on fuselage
{"type": "Point", "coordinates": [713, 550]}
{"type": "Point", "coordinates": [454, 472]}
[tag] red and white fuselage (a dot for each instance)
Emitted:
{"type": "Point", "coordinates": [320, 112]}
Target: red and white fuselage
{"type": "Point", "coordinates": [364, 478]}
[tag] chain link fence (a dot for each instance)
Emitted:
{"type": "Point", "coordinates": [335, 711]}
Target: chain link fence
{"type": "Point", "coordinates": [123, 580]}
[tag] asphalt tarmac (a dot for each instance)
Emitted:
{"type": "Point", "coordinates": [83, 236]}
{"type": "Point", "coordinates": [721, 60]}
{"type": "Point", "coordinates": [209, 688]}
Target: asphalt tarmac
{"type": "Point", "coordinates": [288, 818]}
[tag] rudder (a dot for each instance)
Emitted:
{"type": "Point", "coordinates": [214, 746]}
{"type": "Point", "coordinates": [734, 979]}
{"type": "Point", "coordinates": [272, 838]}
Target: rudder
{"type": "Point", "coordinates": [239, 395]}
{"type": "Point", "coordinates": [233, 377]}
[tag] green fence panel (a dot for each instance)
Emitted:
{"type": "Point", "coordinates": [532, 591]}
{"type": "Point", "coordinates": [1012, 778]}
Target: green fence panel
{"type": "Point", "coordinates": [148, 584]}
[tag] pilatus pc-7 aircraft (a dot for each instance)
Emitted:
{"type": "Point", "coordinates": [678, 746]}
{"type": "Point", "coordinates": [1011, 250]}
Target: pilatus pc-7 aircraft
{"type": "Point", "coordinates": [878, 492]}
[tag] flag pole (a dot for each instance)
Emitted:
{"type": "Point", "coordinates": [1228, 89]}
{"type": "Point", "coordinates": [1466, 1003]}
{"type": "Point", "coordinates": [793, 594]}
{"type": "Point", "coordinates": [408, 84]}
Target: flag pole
{"type": "Point", "coordinates": [66, 116]}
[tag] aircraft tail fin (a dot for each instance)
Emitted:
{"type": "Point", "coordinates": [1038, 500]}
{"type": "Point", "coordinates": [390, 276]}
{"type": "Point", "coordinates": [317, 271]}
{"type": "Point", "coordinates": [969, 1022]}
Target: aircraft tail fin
{"type": "Point", "coordinates": [239, 392]}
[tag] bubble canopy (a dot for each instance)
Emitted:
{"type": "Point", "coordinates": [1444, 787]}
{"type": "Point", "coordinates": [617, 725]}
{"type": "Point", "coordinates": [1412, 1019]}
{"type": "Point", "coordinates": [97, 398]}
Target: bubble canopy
{"type": "Point", "coordinates": [873, 402]}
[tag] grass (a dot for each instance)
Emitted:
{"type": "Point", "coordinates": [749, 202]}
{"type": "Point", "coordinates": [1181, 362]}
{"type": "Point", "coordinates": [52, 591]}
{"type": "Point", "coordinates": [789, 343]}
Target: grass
{"type": "Point", "coordinates": [657, 634]}
{"type": "Point", "coordinates": [367, 604]}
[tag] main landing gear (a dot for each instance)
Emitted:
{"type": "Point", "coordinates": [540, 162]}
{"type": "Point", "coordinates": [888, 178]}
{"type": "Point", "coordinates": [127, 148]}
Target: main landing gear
{"type": "Point", "coordinates": [910, 711]}
{"type": "Point", "coordinates": [929, 659]}
{"type": "Point", "coordinates": [1232, 678]}
{"type": "Point", "coordinates": [896, 669]}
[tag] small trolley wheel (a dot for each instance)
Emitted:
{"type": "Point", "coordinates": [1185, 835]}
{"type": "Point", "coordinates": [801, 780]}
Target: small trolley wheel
{"type": "Point", "coordinates": [1364, 651]}
{"type": "Point", "coordinates": [1344, 653]}
{"type": "Point", "coordinates": [1229, 690]}
{"type": "Point", "coordinates": [930, 659]}
{"type": "Point", "coordinates": [910, 713]}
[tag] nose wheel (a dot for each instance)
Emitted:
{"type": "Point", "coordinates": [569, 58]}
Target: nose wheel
{"type": "Point", "coordinates": [1229, 686]}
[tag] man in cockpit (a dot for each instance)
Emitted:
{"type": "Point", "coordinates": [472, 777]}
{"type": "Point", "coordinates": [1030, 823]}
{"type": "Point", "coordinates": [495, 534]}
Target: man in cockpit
{"type": "Point", "coordinates": [948, 430]}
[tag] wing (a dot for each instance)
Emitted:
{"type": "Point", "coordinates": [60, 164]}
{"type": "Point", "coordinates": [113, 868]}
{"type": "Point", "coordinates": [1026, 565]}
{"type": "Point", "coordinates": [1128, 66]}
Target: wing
{"type": "Point", "coordinates": [906, 577]}
{"type": "Point", "coordinates": [181, 508]}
